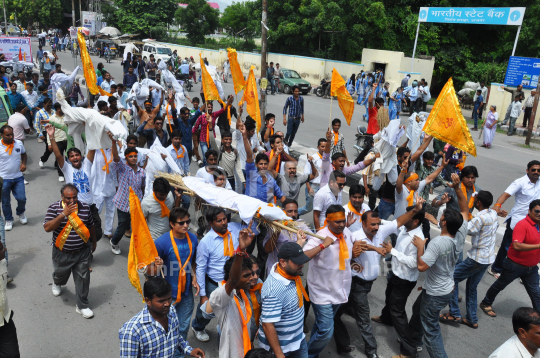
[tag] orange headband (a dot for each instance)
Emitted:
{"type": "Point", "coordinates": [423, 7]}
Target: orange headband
{"type": "Point", "coordinates": [337, 216]}
{"type": "Point", "coordinates": [413, 176]}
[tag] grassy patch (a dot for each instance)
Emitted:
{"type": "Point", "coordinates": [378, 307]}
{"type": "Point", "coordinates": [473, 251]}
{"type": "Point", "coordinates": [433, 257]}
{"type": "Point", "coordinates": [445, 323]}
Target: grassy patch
{"type": "Point", "coordinates": [527, 146]}
{"type": "Point", "coordinates": [432, 101]}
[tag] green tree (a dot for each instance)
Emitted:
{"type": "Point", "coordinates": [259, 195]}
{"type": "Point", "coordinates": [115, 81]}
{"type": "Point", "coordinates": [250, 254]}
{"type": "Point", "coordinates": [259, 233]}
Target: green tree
{"type": "Point", "coordinates": [140, 16]}
{"type": "Point", "coordinates": [242, 17]}
{"type": "Point", "coordinates": [198, 19]}
{"type": "Point", "coordinates": [47, 12]}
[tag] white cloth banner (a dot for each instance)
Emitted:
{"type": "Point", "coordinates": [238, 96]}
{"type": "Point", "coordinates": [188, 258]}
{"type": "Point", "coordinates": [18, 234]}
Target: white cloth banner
{"type": "Point", "coordinates": [245, 205]}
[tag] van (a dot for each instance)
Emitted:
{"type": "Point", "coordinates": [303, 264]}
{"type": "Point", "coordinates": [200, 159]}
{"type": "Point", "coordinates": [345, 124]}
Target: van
{"type": "Point", "coordinates": [160, 52]}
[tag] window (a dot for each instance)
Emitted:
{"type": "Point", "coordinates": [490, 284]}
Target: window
{"type": "Point", "coordinates": [164, 51]}
{"type": "Point", "coordinates": [291, 74]}
{"type": "Point", "coordinates": [145, 48]}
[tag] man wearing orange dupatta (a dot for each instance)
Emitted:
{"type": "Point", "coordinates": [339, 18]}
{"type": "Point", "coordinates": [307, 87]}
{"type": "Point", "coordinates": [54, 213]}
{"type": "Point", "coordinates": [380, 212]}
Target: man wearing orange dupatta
{"type": "Point", "coordinates": [177, 250]}
{"type": "Point", "coordinates": [74, 240]}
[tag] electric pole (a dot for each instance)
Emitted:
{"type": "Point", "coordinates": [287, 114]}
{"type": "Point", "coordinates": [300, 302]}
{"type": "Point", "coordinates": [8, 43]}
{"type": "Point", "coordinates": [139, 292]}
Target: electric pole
{"type": "Point", "coordinates": [73, 13]}
{"type": "Point", "coordinates": [533, 115]}
{"type": "Point", "coordinates": [264, 50]}
{"type": "Point", "coordinates": [5, 17]}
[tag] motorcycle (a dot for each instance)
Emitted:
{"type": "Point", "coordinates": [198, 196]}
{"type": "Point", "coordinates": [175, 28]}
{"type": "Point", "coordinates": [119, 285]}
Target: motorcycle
{"type": "Point", "coordinates": [323, 89]}
{"type": "Point", "coordinates": [186, 80]}
{"type": "Point", "coordinates": [362, 139]}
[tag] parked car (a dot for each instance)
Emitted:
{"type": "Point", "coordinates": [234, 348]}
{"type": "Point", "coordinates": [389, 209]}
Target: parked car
{"type": "Point", "coordinates": [160, 52]}
{"type": "Point", "coordinates": [290, 78]}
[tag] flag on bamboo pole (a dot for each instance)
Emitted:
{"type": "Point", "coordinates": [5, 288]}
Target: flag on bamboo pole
{"type": "Point", "coordinates": [236, 71]}
{"type": "Point", "coordinates": [251, 97]}
{"type": "Point", "coordinates": [142, 250]}
{"type": "Point", "coordinates": [209, 87]}
{"type": "Point", "coordinates": [345, 100]}
{"type": "Point", "coordinates": [445, 121]}
{"type": "Point", "coordinates": [88, 67]}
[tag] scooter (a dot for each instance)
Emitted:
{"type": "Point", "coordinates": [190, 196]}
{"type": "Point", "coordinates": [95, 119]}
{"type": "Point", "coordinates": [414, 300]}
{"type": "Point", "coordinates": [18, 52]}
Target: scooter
{"type": "Point", "coordinates": [323, 89]}
{"type": "Point", "coordinates": [362, 139]}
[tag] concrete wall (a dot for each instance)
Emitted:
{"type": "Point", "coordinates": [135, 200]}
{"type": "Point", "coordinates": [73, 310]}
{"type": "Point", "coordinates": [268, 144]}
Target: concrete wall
{"type": "Point", "coordinates": [421, 68]}
{"type": "Point", "coordinates": [315, 69]}
{"type": "Point", "coordinates": [502, 100]}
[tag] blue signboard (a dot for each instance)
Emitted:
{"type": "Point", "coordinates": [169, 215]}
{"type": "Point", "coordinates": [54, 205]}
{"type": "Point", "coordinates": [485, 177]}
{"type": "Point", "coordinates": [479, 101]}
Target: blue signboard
{"type": "Point", "coordinates": [522, 71]}
{"type": "Point", "coordinates": [473, 15]}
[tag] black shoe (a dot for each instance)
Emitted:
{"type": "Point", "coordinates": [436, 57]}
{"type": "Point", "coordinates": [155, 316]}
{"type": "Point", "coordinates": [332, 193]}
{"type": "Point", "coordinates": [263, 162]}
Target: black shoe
{"type": "Point", "coordinates": [346, 349]}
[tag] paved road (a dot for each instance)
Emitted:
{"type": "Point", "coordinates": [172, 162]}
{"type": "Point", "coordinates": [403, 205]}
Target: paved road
{"type": "Point", "coordinates": [48, 326]}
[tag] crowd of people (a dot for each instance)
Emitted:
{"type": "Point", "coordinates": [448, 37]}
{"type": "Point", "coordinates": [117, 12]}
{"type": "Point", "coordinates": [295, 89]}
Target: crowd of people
{"type": "Point", "coordinates": [247, 277]}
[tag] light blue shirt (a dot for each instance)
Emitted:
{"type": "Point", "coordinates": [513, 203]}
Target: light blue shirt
{"type": "Point", "coordinates": [211, 258]}
{"type": "Point", "coordinates": [412, 91]}
{"type": "Point", "coordinates": [107, 85]}
{"type": "Point", "coordinates": [183, 162]}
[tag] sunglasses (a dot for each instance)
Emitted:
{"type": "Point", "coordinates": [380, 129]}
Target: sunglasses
{"type": "Point", "coordinates": [534, 170]}
{"type": "Point", "coordinates": [340, 185]}
{"type": "Point", "coordinates": [536, 212]}
{"type": "Point", "coordinates": [182, 223]}
{"type": "Point", "coordinates": [257, 272]}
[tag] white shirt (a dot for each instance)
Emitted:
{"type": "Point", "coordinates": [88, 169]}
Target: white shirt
{"type": "Point", "coordinates": [524, 192]}
{"type": "Point", "coordinates": [242, 156]}
{"type": "Point", "coordinates": [103, 185]}
{"type": "Point", "coordinates": [30, 98]}
{"type": "Point", "coordinates": [358, 223]}
{"type": "Point", "coordinates": [513, 348]}
{"type": "Point", "coordinates": [107, 86]}
{"type": "Point", "coordinates": [401, 199]}
{"type": "Point", "coordinates": [317, 162]}
{"type": "Point", "coordinates": [80, 178]}
{"type": "Point", "coordinates": [366, 266]}
{"type": "Point", "coordinates": [5, 311]}
{"type": "Point", "coordinates": [483, 230]}
{"type": "Point", "coordinates": [327, 283]}
{"type": "Point", "coordinates": [202, 173]}
{"type": "Point", "coordinates": [323, 199]}
{"type": "Point", "coordinates": [404, 255]}
{"type": "Point", "coordinates": [10, 165]}
{"type": "Point", "coordinates": [516, 109]}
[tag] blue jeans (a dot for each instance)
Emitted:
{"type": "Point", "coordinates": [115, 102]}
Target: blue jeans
{"type": "Point", "coordinates": [511, 271]}
{"type": "Point", "coordinates": [386, 209]}
{"type": "Point", "coordinates": [302, 352]}
{"type": "Point", "coordinates": [199, 322]}
{"type": "Point", "coordinates": [473, 272]}
{"type": "Point", "coordinates": [309, 200]}
{"type": "Point", "coordinates": [124, 222]}
{"type": "Point", "coordinates": [292, 128]}
{"type": "Point", "coordinates": [204, 149]}
{"type": "Point", "coordinates": [475, 116]}
{"type": "Point", "coordinates": [15, 186]}
{"type": "Point", "coordinates": [430, 310]}
{"type": "Point", "coordinates": [184, 310]}
{"type": "Point", "coordinates": [323, 329]}
{"type": "Point", "coordinates": [3, 235]}
{"type": "Point", "coordinates": [272, 85]}
{"type": "Point", "coordinates": [497, 266]}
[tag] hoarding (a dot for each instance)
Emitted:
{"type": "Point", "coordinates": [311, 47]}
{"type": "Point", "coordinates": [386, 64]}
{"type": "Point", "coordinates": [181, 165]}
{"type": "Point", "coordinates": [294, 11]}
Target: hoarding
{"type": "Point", "coordinates": [522, 71]}
{"type": "Point", "coordinates": [89, 21]}
{"type": "Point", "coordinates": [10, 46]}
{"type": "Point", "coordinates": [473, 15]}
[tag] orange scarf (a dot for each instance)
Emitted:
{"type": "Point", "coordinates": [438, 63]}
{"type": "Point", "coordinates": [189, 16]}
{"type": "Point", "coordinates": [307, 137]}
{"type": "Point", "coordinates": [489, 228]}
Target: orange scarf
{"type": "Point", "coordinates": [299, 288]}
{"type": "Point", "coordinates": [319, 154]}
{"type": "Point", "coordinates": [181, 155]}
{"type": "Point", "coordinates": [255, 303]}
{"type": "Point", "coordinates": [245, 320]}
{"type": "Point", "coordinates": [168, 116]}
{"type": "Point", "coordinates": [351, 208]}
{"type": "Point", "coordinates": [9, 147]}
{"type": "Point", "coordinates": [229, 114]}
{"type": "Point", "coordinates": [207, 131]}
{"type": "Point", "coordinates": [182, 274]}
{"type": "Point", "coordinates": [278, 164]}
{"type": "Point", "coordinates": [343, 249]}
{"type": "Point", "coordinates": [74, 222]}
{"type": "Point", "coordinates": [164, 209]}
{"type": "Point", "coordinates": [228, 246]}
{"type": "Point", "coordinates": [471, 200]}
{"type": "Point", "coordinates": [106, 166]}
{"type": "Point", "coordinates": [410, 197]}
{"type": "Point", "coordinates": [336, 137]}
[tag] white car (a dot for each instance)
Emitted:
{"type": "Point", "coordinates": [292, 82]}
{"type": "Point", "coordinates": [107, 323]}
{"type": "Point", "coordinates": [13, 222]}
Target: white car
{"type": "Point", "coordinates": [160, 52]}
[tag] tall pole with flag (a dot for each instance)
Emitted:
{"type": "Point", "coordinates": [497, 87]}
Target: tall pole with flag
{"type": "Point", "coordinates": [339, 89]}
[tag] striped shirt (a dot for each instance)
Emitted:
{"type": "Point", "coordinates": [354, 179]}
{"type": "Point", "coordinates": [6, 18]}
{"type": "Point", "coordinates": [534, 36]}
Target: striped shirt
{"type": "Point", "coordinates": [483, 230]}
{"type": "Point", "coordinates": [128, 178]}
{"type": "Point", "coordinates": [296, 107]}
{"type": "Point", "coordinates": [74, 241]}
{"type": "Point", "coordinates": [42, 115]}
{"type": "Point", "coordinates": [280, 307]}
{"type": "Point", "coordinates": [339, 147]}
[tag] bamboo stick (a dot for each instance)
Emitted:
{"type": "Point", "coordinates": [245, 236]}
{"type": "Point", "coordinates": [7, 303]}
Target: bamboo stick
{"type": "Point", "coordinates": [280, 225]}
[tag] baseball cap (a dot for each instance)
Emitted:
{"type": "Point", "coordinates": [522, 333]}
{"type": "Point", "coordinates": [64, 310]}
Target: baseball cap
{"type": "Point", "coordinates": [292, 251]}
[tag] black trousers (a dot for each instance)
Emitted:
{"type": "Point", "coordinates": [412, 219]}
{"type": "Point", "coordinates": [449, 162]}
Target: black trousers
{"type": "Point", "coordinates": [372, 197]}
{"type": "Point", "coordinates": [9, 344]}
{"type": "Point", "coordinates": [97, 221]}
{"type": "Point", "coordinates": [393, 313]}
{"type": "Point", "coordinates": [527, 116]}
{"type": "Point", "coordinates": [62, 145]}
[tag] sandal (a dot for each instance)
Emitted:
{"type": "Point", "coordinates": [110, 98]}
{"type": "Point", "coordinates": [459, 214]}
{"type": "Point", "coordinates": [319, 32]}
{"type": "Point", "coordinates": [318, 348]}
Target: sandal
{"type": "Point", "coordinates": [448, 318]}
{"type": "Point", "coordinates": [469, 324]}
{"type": "Point", "coordinates": [487, 310]}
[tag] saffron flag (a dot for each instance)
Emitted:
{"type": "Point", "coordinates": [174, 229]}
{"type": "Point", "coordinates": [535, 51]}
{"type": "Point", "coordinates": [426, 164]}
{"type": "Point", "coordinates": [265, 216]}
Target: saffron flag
{"type": "Point", "coordinates": [251, 97]}
{"type": "Point", "coordinates": [345, 100]}
{"type": "Point", "coordinates": [20, 54]}
{"type": "Point", "coordinates": [236, 71]}
{"type": "Point", "coordinates": [142, 250]}
{"type": "Point", "coordinates": [88, 67]}
{"type": "Point", "coordinates": [209, 87]}
{"type": "Point", "coordinates": [446, 123]}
